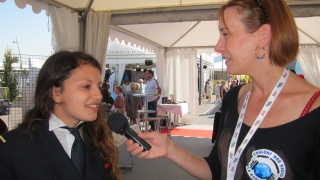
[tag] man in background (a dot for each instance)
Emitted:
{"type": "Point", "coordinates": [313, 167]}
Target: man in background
{"type": "Point", "coordinates": [152, 87]}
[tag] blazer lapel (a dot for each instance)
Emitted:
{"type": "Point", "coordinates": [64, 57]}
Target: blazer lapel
{"type": "Point", "coordinates": [94, 164]}
{"type": "Point", "coordinates": [60, 165]}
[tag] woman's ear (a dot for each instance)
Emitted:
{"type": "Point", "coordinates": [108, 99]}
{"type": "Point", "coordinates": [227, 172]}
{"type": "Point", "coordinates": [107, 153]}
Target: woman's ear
{"type": "Point", "coordinates": [265, 35]}
{"type": "Point", "coordinates": [56, 94]}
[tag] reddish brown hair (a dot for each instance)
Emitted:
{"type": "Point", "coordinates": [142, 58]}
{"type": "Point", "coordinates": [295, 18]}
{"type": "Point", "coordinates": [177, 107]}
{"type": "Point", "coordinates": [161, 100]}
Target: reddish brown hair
{"type": "Point", "coordinates": [284, 44]}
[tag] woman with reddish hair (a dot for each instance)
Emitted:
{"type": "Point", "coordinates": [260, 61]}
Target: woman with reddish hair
{"type": "Point", "coordinates": [270, 128]}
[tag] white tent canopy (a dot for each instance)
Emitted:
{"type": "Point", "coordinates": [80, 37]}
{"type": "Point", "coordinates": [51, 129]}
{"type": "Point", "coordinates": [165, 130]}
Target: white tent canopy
{"type": "Point", "coordinates": [173, 29]}
{"type": "Point", "coordinates": [121, 53]}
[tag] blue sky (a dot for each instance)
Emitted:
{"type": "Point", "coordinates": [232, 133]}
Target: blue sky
{"type": "Point", "coordinates": [33, 31]}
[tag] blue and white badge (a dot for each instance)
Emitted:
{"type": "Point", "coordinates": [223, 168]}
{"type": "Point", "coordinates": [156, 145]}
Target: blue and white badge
{"type": "Point", "coordinates": [266, 164]}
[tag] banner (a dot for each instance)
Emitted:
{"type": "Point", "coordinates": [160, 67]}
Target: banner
{"type": "Point", "coordinates": [111, 83]}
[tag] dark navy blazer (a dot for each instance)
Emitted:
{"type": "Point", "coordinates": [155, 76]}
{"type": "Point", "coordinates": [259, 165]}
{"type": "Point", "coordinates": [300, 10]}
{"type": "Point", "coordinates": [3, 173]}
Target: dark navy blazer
{"type": "Point", "coordinates": [43, 158]}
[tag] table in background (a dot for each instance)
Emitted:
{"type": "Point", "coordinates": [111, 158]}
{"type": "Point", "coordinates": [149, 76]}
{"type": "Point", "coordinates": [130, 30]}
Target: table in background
{"type": "Point", "coordinates": [145, 97]}
{"type": "Point", "coordinates": [178, 110]}
{"type": "Point", "coordinates": [145, 111]}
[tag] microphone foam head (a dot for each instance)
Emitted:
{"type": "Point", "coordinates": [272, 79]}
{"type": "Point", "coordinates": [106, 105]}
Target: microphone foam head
{"type": "Point", "coordinates": [117, 122]}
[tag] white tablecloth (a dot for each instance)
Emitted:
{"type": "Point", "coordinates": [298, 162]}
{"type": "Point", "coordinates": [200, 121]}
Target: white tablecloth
{"type": "Point", "coordinates": [179, 109]}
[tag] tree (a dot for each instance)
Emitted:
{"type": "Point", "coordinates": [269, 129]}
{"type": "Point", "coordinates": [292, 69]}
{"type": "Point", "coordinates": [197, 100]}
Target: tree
{"type": "Point", "coordinates": [9, 78]}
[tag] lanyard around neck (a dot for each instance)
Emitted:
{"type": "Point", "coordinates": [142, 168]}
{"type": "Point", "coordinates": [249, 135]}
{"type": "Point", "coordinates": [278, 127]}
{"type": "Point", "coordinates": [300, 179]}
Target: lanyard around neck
{"type": "Point", "coordinates": [233, 155]}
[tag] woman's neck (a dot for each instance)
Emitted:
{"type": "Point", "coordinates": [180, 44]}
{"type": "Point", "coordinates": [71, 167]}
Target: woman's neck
{"type": "Point", "coordinates": [264, 82]}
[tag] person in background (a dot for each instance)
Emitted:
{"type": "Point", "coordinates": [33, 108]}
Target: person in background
{"type": "Point", "coordinates": [208, 90]}
{"type": "Point", "coordinates": [223, 89]}
{"type": "Point", "coordinates": [230, 78]}
{"type": "Point", "coordinates": [141, 99]}
{"type": "Point", "coordinates": [67, 96]}
{"type": "Point", "coordinates": [237, 81]}
{"type": "Point", "coordinates": [233, 84]}
{"type": "Point", "coordinates": [205, 89]}
{"type": "Point", "coordinates": [133, 103]}
{"type": "Point", "coordinates": [243, 81]}
{"type": "Point", "coordinates": [137, 87]}
{"type": "Point", "coordinates": [107, 100]}
{"type": "Point", "coordinates": [217, 92]}
{"type": "Point", "coordinates": [152, 87]}
{"type": "Point", "coordinates": [270, 127]}
{"type": "Point", "coordinates": [226, 86]}
{"type": "Point", "coordinates": [126, 87]}
{"type": "Point", "coordinates": [142, 88]}
{"type": "Point", "coordinates": [118, 105]}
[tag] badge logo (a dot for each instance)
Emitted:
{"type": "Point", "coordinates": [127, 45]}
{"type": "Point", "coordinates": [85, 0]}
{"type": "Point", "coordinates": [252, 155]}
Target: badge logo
{"type": "Point", "coordinates": [266, 164]}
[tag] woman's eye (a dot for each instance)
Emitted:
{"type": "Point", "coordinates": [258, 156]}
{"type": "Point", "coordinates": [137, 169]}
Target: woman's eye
{"type": "Point", "coordinates": [224, 34]}
{"type": "Point", "coordinates": [87, 86]}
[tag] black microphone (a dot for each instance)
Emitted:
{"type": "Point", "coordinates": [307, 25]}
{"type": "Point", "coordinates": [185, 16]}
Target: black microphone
{"type": "Point", "coordinates": [118, 123]}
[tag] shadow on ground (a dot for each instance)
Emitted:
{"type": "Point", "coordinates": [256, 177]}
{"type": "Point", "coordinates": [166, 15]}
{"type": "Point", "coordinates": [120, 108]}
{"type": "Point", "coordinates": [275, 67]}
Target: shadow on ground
{"type": "Point", "coordinates": [211, 113]}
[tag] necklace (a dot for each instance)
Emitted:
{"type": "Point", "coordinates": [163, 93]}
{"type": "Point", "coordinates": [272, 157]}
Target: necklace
{"type": "Point", "coordinates": [233, 155]}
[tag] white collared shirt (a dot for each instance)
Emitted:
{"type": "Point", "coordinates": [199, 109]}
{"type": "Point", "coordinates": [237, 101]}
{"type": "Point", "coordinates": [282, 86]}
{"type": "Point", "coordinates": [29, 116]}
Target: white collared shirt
{"type": "Point", "coordinates": [64, 136]}
{"type": "Point", "coordinates": [151, 88]}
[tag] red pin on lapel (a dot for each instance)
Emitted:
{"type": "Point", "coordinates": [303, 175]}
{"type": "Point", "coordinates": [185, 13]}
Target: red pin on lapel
{"type": "Point", "coordinates": [106, 165]}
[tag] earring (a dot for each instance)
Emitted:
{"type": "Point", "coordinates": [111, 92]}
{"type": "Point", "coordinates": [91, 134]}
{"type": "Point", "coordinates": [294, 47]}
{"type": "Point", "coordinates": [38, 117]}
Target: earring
{"type": "Point", "coordinates": [261, 57]}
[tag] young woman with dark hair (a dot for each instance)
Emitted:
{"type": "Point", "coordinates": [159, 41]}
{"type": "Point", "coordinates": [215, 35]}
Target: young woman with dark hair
{"type": "Point", "coordinates": [67, 95]}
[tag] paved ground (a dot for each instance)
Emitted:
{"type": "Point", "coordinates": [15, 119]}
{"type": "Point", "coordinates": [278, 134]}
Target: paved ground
{"type": "Point", "coordinates": [206, 112]}
{"type": "Point", "coordinates": [205, 116]}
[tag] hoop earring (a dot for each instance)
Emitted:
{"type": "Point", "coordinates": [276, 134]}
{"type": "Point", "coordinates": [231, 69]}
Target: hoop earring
{"type": "Point", "coordinates": [261, 57]}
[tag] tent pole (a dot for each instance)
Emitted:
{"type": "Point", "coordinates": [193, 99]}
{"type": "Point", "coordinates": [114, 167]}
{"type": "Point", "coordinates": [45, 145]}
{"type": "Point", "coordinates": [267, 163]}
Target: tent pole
{"type": "Point", "coordinates": [83, 23]}
{"type": "Point", "coordinates": [200, 79]}
{"type": "Point", "coordinates": [83, 26]}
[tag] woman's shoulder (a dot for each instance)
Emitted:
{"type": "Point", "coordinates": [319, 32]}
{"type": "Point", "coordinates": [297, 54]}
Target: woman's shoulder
{"type": "Point", "coordinates": [315, 99]}
{"type": "Point", "coordinates": [307, 91]}
{"type": "Point", "coordinates": [18, 135]}
{"type": "Point", "coordinates": [239, 90]}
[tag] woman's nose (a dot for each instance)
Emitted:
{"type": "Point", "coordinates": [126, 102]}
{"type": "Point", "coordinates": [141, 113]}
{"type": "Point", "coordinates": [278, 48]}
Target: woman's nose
{"type": "Point", "coordinates": [219, 46]}
{"type": "Point", "coordinates": [97, 94]}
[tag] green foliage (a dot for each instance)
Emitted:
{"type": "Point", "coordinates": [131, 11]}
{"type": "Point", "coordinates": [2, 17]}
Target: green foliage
{"type": "Point", "coordinates": [9, 78]}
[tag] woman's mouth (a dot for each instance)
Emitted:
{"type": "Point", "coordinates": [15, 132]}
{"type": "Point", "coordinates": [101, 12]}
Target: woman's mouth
{"type": "Point", "coordinates": [226, 60]}
{"type": "Point", "coordinates": [93, 105]}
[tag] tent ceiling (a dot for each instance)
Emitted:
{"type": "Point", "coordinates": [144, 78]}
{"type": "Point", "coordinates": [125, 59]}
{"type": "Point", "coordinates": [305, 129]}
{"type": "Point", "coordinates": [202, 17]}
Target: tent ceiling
{"type": "Point", "coordinates": [177, 34]}
{"type": "Point", "coordinates": [184, 23]}
{"type": "Point", "coordinates": [205, 34]}
{"type": "Point", "coordinates": [128, 5]}
{"type": "Point", "coordinates": [143, 6]}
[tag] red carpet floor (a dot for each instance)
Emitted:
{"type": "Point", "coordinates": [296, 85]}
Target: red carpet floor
{"type": "Point", "coordinates": [189, 132]}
